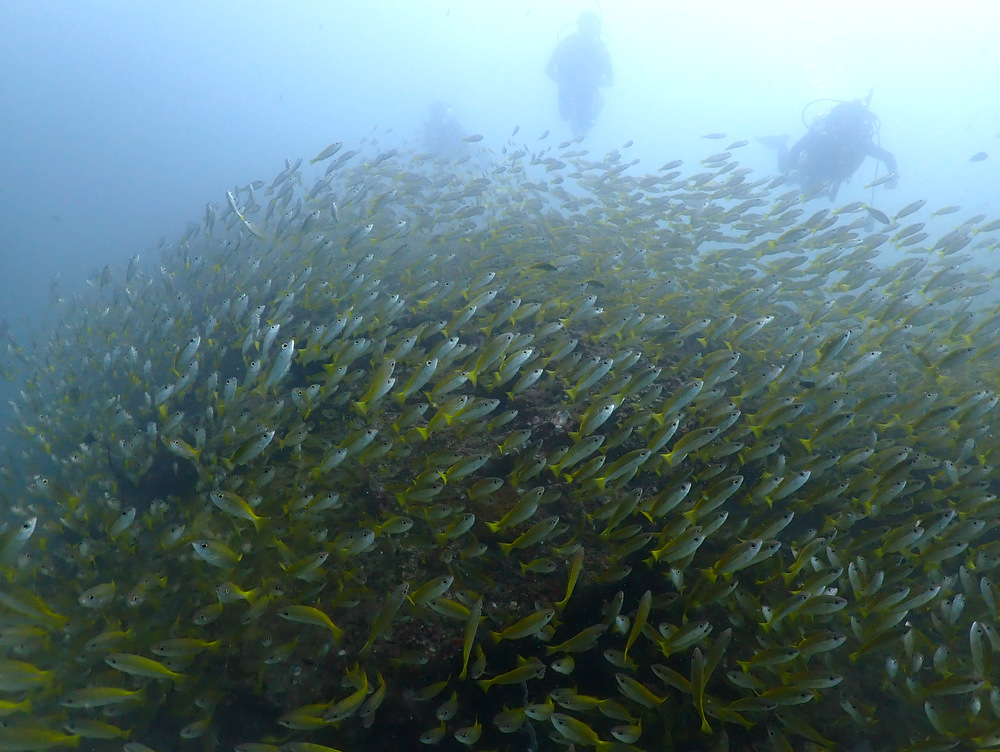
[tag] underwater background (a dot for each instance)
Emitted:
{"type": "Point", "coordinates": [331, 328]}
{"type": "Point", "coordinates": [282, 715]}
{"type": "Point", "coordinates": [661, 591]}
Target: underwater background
{"type": "Point", "coordinates": [319, 438]}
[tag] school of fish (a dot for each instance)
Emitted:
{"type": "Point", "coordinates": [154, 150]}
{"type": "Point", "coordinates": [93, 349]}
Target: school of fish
{"type": "Point", "coordinates": [520, 452]}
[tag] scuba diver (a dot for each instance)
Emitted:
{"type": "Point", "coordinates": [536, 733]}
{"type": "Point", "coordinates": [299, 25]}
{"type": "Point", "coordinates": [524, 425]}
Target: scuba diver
{"type": "Point", "coordinates": [580, 65]}
{"type": "Point", "coordinates": [834, 147]}
{"type": "Point", "coordinates": [442, 134]}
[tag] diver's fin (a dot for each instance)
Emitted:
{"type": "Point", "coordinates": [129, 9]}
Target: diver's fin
{"type": "Point", "coordinates": [773, 142]}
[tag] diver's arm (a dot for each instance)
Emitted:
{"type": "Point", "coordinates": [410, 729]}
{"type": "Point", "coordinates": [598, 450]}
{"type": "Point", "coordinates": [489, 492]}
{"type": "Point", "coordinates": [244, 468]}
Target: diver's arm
{"type": "Point", "coordinates": [550, 68]}
{"type": "Point", "coordinates": [884, 156]}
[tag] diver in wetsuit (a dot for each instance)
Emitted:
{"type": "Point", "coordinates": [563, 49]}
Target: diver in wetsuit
{"type": "Point", "coordinates": [580, 65]}
{"type": "Point", "coordinates": [442, 133]}
{"type": "Point", "coordinates": [834, 148]}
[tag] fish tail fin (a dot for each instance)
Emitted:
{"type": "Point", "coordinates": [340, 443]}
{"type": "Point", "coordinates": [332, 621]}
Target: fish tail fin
{"type": "Point", "coordinates": [181, 681]}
